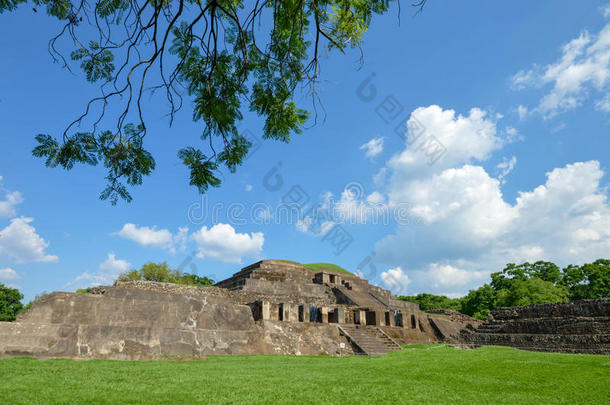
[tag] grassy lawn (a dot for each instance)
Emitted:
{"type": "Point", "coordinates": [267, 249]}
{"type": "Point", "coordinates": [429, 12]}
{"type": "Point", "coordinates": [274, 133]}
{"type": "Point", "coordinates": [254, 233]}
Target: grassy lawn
{"type": "Point", "coordinates": [418, 374]}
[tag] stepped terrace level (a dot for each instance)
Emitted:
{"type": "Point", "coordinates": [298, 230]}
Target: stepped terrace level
{"type": "Point", "coordinates": [569, 327]}
{"type": "Point", "coordinates": [268, 307]}
{"type": "Point", "coordinates": [295, 282]}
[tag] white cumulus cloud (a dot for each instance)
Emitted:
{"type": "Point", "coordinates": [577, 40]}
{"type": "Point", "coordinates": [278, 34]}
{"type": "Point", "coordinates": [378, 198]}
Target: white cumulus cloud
{"type": "Point", "coordinates": [582, 70]}
{"type": "Point", "coordinates": [466, 139]}
{"type": "Point", "coordinates": [506, 166]}
{"type": "Point", "coordinates": [396, 280]}
{"type": "Point", "coordinates": [603, 105]}
{"type": "Point", "coordinates": [446, 275]}
{"type": "Point", "coordinates": [10, 200]}
{"type": "Point", "coordinates": [151, 236]}
{"type": "Point", "coordinates": [146, 236]}
{"type": "Point", "coordinates": [113, 266]}
{"type": "Point", "coordinates": [354, 209]}
{"type": "Point", "coordinates": [9, 274]}
{"type": "Point", "coordinates": [522, 112]}
{"type": "Point", "coordinates": [7, 205]}
{"type": "Point", "coordinates": [467, 220]}
{"type": "Point", "coordinates": [107, 273]}
{"type": "Point", "coordinates": [222, 242]}
{"type": "Point", "coordinates": [468, 228]}
{"type": "Point", "coordinates": [20, 242]}
{"type": "Point", "coordinates": [373, 147]}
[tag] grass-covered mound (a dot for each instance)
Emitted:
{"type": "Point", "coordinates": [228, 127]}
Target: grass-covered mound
{"type": "Point", "coordinates": [418, 374]}
{"type": "Point", "coordinates": [326, 266]}
{"type": "Point", "coordinates": [321, 266]}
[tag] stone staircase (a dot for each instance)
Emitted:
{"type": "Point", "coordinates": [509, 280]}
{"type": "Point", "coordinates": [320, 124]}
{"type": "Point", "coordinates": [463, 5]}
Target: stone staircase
{"type": "Point", "coordinates": [359, 298]}
{"type": "Point", "coordinates": [371, 341]}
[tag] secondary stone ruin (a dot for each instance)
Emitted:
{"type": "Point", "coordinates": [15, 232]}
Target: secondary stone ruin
{"type": "Point", "coordinates": [570, 327]}
{"type": "Point", "coordinates": [272, 306]}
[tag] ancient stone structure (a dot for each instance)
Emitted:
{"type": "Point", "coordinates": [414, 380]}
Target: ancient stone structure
{"type": "Point", "coordinates": [570, 327]}
{"type": "Point", "coordinates": [268, 307]}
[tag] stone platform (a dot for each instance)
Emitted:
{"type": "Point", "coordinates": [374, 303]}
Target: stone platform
{"type": "Point", "coordinates": [571, 327]}
{"type": "Point", "coordinates": [268, 307]}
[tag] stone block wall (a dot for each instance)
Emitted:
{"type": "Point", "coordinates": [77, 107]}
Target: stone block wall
{"type": "Point", "coordinates": [268, 307]}
{"type": "Point", "coordinates": [572, 327]}
{"type": "Point", "coordinates": [131, 323]}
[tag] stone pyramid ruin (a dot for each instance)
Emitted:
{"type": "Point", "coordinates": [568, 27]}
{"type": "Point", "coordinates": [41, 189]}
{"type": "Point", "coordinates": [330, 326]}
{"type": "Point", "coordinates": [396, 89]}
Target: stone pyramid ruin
{"type": "Point", "coordinates": [271, 306]}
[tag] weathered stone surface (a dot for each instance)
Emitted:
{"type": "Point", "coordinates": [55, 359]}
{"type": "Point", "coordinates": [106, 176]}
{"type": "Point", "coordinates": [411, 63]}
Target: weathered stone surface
{"type": "Point", "coordinates": [572, 327]}
{"type": "Point", "coordinates": [304, 338]}
{"type": "Point", "coordinates": [268, 307]}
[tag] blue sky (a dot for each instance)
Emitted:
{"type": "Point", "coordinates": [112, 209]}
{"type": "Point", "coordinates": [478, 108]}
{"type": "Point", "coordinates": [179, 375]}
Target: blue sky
{"type": "Point", "coordinates": [506, 107]}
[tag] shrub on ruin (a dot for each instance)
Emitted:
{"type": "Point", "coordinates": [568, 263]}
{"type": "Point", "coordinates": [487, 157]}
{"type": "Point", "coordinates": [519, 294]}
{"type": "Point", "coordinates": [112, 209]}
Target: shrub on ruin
{"type": "Point", "coordinates": [159, 272]}
{"type": "Point", "coordinates": [193, 279]}
{"type": "Point", "coordinates": [162, 273]}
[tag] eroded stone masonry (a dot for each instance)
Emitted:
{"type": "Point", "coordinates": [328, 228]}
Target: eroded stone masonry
{"type": "Point", "coordinates": [276, 306]}
{"type": "Point", "coordinates": [271, 306]}
{"type": "Point", "coordinates": [568, 327]}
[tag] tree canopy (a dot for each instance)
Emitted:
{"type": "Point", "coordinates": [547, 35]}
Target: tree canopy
{"type": "Point", "coordinates": [162, 273]}
{"type": "Point", "coordinates": [526, 284]}
{"type": "Point", "coordinates": [224, 55]}
{"type": "Point", "coordinates": [10, 303]}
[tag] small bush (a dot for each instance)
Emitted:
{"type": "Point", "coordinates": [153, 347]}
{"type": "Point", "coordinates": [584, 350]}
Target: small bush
{"type": "Point", "coordinates": [162, 273]}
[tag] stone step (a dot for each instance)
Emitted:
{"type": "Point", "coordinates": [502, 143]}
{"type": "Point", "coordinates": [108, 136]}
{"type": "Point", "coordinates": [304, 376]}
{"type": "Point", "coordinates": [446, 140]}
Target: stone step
{"type": "Point", "coordinates": [369, 341]}
{"type": "Point", "coordinates": [360, 298]}
{"type": "Point", "coordinates": [561, 326]}
{"type": "Point", "coordinates": [593, 308]}
{"type": "Point", "coordinates": [542, 341]}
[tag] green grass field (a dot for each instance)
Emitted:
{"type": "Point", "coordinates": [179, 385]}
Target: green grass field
{"type": "Point", "coordinates": [418, 374]}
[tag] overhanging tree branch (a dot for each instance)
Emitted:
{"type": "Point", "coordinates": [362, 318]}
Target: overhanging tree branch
{"type": "Point", "coordinates": [225, 55]}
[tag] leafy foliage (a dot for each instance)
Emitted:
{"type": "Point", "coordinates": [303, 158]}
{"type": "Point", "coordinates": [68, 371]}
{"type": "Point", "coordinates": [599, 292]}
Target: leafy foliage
{"type": "Point", "coordinates": [97, 64]}
{"type": "Point", "coordinates": [591, 280]}
{"type": "Point", "coordinates": [10, 303]}
{"type": "Point", "coordinates": [526, 284]}
{"type": "Point", "coordinates": [229, 56]}
{"type": "Point", "coordinates": [162, 273]}
{"type": "Point", "coordinates": [431, 301]}
{"type": "Point", "coordinates": [123, 156]}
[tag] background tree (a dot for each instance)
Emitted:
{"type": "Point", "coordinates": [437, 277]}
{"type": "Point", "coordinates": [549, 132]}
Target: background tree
{"type": "Point", "coordinates": [431, 301]}
{"type": "Point", "coordinates": [529, 292]}
{"type": "Point", "coordinates": [10, 303]}
{"type": "Point", "coordinates": [527, 284]}
{"type": "Point", "coordinates": [591, 280]}
{"type": "Point", "coordinates": [162, 273]}
{"type": "Point", "coordinates": [478, 303]}
{"type": "Point", "coordinates": [225, 55]}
